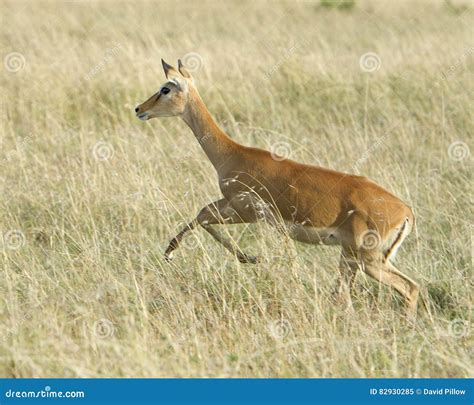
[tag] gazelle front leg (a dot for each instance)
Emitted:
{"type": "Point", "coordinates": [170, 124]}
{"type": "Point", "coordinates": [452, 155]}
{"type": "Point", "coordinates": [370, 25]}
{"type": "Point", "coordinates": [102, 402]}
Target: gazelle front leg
{"type": "Point", "coordinates": [177, 239]}
{"type": "Point", "coordinates": [218, 212]}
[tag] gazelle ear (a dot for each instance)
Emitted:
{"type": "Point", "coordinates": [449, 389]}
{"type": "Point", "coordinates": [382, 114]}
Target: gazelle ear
{"type": "Point", "coordinates": [184, 71]}
{"type": "Point", "coordinates": [170, 71]}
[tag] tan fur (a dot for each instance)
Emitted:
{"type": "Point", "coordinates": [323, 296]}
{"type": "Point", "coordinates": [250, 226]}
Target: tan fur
{"type": "Point", "coordinates": [317, 205]}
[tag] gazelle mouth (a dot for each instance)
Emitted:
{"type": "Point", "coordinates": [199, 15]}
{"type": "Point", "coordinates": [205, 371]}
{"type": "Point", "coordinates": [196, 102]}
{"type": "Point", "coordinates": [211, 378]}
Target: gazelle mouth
{"type": "Point", "coordinates": [143, 116]}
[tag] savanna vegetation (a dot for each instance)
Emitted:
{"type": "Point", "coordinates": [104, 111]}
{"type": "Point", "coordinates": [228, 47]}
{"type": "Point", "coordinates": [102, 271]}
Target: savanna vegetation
{"type": "Point", "coordinates": [90, 196]}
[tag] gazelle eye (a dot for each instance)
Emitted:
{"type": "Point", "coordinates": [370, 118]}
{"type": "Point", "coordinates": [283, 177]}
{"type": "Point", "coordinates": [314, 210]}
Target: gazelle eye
{"type": "Point", "coordinates": [165, 90]}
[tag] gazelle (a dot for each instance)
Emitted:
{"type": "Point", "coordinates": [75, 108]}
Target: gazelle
{"type": "Point", "coordinates": [315, 205]}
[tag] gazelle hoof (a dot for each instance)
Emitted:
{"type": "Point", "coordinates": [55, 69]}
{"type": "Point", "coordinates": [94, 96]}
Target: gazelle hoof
{"type": "Point", "coordinates": [169, 257]}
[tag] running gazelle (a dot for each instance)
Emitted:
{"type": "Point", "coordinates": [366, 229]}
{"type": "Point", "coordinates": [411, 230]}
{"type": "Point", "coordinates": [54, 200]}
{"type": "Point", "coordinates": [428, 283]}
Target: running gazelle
{"type": "Point", "coordinates": [314, 205]}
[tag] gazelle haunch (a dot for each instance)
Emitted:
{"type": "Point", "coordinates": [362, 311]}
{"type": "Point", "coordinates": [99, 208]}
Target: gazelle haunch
{"type": "Point", "coordinates": [314, 205]}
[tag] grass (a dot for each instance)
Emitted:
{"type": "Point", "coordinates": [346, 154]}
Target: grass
{"type": "Point", "coordinates": [90, 196]}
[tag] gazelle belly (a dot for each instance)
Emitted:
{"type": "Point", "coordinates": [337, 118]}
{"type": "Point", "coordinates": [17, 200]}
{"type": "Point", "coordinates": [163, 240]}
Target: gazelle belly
{"type": "Point", "coordinates": [316, 236]}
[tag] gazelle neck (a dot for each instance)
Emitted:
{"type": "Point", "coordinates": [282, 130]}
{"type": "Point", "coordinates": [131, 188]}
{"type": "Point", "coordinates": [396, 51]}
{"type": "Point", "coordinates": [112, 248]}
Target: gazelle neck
{"type": "Point", "coordinates": [217, 145]}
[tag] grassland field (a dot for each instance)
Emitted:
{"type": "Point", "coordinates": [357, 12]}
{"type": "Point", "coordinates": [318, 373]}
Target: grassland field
{"type": "Point", "coordinates": [90, 196]}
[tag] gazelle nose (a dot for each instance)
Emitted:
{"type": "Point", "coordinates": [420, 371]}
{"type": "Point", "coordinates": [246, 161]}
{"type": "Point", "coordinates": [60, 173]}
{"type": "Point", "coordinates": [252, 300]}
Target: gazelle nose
{"type": "Point", "coordinates": [137, 109]}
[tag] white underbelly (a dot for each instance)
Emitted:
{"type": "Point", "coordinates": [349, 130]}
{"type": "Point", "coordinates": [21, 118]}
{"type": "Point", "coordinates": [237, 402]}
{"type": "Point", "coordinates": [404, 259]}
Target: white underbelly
{"type": "Point", "coordinates": [309, 234]}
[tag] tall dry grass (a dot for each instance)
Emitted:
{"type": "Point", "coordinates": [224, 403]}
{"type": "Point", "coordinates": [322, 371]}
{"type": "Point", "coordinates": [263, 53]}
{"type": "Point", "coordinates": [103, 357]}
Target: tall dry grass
{"type": "Point", "coordinates": [90, 196]}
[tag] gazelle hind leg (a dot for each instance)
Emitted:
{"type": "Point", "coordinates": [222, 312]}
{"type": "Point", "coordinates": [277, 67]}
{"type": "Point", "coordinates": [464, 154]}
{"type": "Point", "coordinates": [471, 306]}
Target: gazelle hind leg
{"type": "Point", "coordinates": [411, 287]}
{"type": "Point", "coordinates": [218, 212]}
{"type": "Point", "coordinates": [348, 266]}
{"type": "Point", "coordinates": [386, 273]}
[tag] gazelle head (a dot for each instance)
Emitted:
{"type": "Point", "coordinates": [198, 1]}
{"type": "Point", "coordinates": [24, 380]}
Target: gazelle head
{"type": "Point", "coordinates": [172, 97]}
